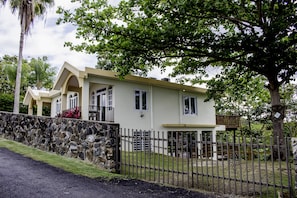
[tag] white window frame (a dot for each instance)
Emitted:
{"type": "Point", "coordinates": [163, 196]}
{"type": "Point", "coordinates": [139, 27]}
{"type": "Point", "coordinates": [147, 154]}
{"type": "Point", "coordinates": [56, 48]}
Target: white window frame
{"type": "Point", "coordinates": [58, 106]}
{"type": "Point", "coordinates": [190, 105]}
{"type": "Point", "coordinates": [93, 106]}
{"type": "Point", "coordinates": [140, 100]}
{"type": "Point", "coordinates": [109, 98]}
{"type": "Point", "coordinates": [73, 101]}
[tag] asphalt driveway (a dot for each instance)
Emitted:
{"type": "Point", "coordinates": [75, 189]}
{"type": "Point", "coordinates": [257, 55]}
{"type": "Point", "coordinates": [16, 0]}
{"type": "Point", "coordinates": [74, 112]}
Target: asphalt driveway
{"type": "Point", "coordinates": [22, 177]}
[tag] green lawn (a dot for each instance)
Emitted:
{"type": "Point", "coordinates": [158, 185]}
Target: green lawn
{"type": "Point", "coordinates": [227, 176]}
{"type": "Point", "coordinates": [72, 165]}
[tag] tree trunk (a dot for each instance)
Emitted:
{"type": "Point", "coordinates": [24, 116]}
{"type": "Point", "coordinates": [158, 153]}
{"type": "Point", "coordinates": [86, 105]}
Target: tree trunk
{"type": "Point", "coordinates": [277, 118]}
{"type": "Point", "coordinates": [17, 91]}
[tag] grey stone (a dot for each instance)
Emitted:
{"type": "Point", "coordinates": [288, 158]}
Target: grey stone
{"type": "Point", "coordinates": [86, 140]}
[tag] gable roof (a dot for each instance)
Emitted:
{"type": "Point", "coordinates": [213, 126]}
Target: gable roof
{"type": "Point", "coordinates": [63, 74]}
{"type": "Point", "coordinates": [33, 94]}
{"type": "Point", "coordinates": [68, 69]}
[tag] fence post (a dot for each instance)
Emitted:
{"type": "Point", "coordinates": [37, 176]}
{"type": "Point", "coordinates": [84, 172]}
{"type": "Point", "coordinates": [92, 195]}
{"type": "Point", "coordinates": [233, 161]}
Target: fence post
{"type": "Point", "coordinates": [118, 149]}
{"type": "Point", "coordinates": [294, 147]}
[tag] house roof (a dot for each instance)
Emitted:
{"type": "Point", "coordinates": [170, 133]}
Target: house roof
{"type": "Point", "coordinates": [38, 95]}
{"type": "Point", "coordinates": [68, 68]}
{"type": "Point", "coordinates": [64, 73]}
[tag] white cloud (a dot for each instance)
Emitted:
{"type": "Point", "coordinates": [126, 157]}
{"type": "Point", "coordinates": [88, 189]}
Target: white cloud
{"type": "Point", "coordinates": [45, 39]}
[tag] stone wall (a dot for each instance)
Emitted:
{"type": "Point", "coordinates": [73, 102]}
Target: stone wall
{"type": "Point", "coordinates": [92, 141]}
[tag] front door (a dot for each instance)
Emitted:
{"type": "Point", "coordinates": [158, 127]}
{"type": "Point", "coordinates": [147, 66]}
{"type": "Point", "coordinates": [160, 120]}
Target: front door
{"type": "Point", "coordinates": [101, 104]}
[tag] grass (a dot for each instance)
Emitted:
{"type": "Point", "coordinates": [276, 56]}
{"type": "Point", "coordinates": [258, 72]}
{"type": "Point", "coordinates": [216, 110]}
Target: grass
{"type": "Point", "coordinates": [249, 177]}
{"type": "Point", "coordinates": [203, 174]}
{"type": "Point", "coordinates": [75, 166]}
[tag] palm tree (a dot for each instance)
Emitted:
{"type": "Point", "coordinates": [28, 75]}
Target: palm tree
{"type": "Point", "coordinates": [27, 11]}
{"type": "Point", "coordinates": [41, 74]}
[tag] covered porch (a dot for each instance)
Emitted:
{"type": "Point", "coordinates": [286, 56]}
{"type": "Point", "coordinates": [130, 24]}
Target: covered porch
{"type": "Point", "coordinates": [82, 97]}
{"type": "Point", "coordinates": [38, 101]}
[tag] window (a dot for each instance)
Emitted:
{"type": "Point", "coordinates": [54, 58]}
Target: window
{"type": "Point", "coordinates": [141, 140]}
{"type": "Point", "coordinates": [140, 100]}
{"type": "Point", "coordinates": [73, 101]}
{"type": "Point", "coordinates": [58, 106]}
{"type": "Point", "coordinates": [182, 143]}
{"type": "Point", "coordinates": [190, 105]}
{"type": "Point", "coordinates": [93, 107]}
{"type": "Point", "coordinates": [109, 98]}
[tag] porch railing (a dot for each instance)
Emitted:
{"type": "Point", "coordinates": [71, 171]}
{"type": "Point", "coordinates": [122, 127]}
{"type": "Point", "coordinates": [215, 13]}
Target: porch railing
{"type": "Point", "coordinates": [101, 113]}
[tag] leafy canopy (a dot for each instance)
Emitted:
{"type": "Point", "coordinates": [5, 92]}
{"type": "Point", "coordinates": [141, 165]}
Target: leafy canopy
{"type": "Point", "coordinates": [248, 35]}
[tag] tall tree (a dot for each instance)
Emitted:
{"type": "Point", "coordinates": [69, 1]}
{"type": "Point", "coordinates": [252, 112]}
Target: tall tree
{"type": "Point", "coordinates": [243, 35]}
{"type": "Point", "coordinates": [27, 11]}
{"type": "Point", "coordinates": [41, 74]}
{"type": "Point", "coordinates": [9, 68]}
{"type": "Point", "coordinates": [247, 98]}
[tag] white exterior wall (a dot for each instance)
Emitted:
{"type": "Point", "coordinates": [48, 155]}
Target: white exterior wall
{"type": "Point", "coordinates": [125, 112]}
{"type": "Point", "coordinates": [53, 106]}
{"type": "Point", "coordinates": [164, 106]}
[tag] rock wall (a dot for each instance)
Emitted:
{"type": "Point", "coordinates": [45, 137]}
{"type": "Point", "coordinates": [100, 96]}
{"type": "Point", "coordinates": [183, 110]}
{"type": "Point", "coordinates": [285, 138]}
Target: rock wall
{"type": "Point", "coordinates": [93, 141]}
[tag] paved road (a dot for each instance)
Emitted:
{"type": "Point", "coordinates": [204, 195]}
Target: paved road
{"type": "Point", "coordinates": [21, 177]}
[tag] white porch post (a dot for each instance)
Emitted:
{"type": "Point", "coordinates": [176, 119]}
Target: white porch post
{"type": "Point", "coordinates": [214, 145]}
{"type": "Point", "coordinates": [39, 107]}
{"type": "Point", "coordinates": [63, 102]}
{"type": "Point", "coordinates": [85, 100]}
{"type": "Point", "coordinates": [30, 108]}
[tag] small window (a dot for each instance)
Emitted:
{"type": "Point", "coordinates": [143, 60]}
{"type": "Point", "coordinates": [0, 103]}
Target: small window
{"type": "Point", "coordinates": [73, 101]}
{"type": "Point", "coordinates": [140, 100]}
{"type": "Point", "coordinates": [190, 105]}
{"type": "Point", "coordinates": [109, 98]}
{"type": "Point", "coordinates": [58, 106]}
{"type": "Point", "coordinates": [141, 140]}
{"type": "Point", "coordinates": [93, 106]}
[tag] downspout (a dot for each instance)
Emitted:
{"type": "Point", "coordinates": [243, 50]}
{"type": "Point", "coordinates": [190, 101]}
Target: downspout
{"type": "Point", "coordinates": [151, 107]}
{"type": "Point", "coordinates": [180, 107]}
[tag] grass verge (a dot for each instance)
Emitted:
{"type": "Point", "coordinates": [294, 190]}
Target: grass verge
{"type": "Point", "coordinates": [75, 166]}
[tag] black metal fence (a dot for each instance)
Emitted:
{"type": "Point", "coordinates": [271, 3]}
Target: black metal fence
{"type": "Point", "coordinates": [243, 166]}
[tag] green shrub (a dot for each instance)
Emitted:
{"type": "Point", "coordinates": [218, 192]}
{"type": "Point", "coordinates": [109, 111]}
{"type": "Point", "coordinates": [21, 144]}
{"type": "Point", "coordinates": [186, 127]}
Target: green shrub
{"type": "Point", "coordinates": [6, 102]}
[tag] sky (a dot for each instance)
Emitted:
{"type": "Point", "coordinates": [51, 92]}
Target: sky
{"type": "Point", "coordinates": [47, 39]}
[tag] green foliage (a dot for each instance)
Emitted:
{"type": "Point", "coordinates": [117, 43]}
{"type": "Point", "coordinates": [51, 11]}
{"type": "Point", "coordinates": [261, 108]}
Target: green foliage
{"type": "Point", "coordinates": [248, 97]}
{"type": "Point", "coordinates": [27, 12]}
{"type": "Point", "coordinates": [6, 102]}
{"type": "Point", "coordinates": [41, 74]}
{"type": "Point", "coordinates": [290, 128]}
{"type": "Point", "coordinates": [190, 35]}
{"type": "Point", "coordinates": [9, 65]}
{"type": "Point", "coordinates": [36, 73]}
{"type": "Point", "coordinates": [241, 38]}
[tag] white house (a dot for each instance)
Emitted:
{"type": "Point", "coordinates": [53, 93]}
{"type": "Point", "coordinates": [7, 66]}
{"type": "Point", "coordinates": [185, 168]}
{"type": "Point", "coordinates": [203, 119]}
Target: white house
{"type": "Point", "coordinates": [134, 102]}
